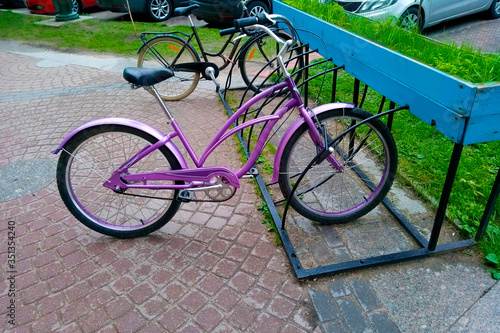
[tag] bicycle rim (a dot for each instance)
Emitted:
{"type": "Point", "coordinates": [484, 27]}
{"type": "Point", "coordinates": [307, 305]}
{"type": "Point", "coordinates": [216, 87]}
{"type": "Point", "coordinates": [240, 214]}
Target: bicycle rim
{"type": "Point", "coordinates": [90, 158]}
{"type": "Point", "coordinates": [368, 157]}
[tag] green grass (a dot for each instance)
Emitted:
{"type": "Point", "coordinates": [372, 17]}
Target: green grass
{"type": "Point", "coordinates": [462, 62]}
{"type": "Point", "coordinates": [117, 37]}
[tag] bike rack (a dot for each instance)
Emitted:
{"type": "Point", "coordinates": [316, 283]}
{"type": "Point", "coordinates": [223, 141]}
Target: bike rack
{"type": "Point", "coordinates": [426, 247]}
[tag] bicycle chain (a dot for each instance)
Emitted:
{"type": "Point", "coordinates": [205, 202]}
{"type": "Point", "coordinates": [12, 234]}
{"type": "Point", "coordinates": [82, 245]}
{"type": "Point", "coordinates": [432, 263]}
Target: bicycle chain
{"type": "Point", "coordinates": [171, 199]}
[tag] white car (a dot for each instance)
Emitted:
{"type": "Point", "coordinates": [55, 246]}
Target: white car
{"type": "Point", "coordinates": [432, 11]}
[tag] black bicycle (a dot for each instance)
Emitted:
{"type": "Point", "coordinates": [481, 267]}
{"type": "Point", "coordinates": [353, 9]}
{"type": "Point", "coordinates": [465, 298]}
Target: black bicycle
{"type": "Point", "coordinates": [178, 54]}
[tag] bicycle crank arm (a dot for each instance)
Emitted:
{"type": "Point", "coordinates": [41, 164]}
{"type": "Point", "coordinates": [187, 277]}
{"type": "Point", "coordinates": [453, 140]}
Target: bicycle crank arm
{"type": "Point", "coordinates": [197, 67]}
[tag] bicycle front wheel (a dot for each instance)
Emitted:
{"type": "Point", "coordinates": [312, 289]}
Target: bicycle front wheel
{"type": "Point", "coordinates": [367, 156]}
{"type": "Point", "coordinates": [90, 158]}
{"type": "Point", "coordinates": [259, 66]}
{"type": "Point", "coordinates": [167, 51]}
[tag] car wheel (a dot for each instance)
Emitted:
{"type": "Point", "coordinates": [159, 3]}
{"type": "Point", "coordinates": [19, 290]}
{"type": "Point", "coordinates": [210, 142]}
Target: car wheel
{"type": "Point", "coordinates": [411, 19]}
{"type": "Point", "coordinates": [494, 11]}
{"type": "Point", "coordinates": [159, 10]}
{"type": "Point", "coordinates": [76, 7]}
{"type": "Point", "coordinates": [257, 7]}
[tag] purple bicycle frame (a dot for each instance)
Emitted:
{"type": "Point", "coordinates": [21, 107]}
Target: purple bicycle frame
{"type": "Point", "coordinates": [201, 176]}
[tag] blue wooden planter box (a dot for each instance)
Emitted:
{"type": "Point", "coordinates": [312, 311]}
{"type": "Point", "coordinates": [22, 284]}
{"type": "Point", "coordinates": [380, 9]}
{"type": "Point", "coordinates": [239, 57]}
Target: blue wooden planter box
{"type": "Point", "coordinates": [466, 113]}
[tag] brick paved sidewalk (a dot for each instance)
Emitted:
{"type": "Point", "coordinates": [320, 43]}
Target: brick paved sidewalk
{"type": "Point", "coordinates": [214, 267]}
{"type": "Point", "coordinates": [476, 31]}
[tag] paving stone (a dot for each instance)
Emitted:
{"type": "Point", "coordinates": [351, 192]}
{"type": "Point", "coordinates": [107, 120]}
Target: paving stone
{"type": "Point", "coordinates": [238, 253]}
{"type": "Point", "coordinates": [119, 307]}
{"type": "Point", "coordinates": [257, 298]}
{"type": "Point", "coordinates": [219, 246]}
{"type": "Point", "coordinates": [226, 299]}
{"type": "Point", "coordinates": [353, 316]}
{"type": "Point", "coordinates": [153, 307]}
{"type": "Point", "coordinates": [324, 305]}
{"type": "Point", "coordinates": [331, 236]}
{"type": "Point", "coordinates": [267, 323]}
{"type": "Point", "coordinates": [131, 322]}
{"type": "Point", "coordinates": [174, 291]}
{"type": "Point", "coordinates": [208, 318]}
{"type": "Point", "coordinates": [242, 316]}
{"type": "Point", "coordinates": [366, 295]}
{"type": "Point", "coordinates": [241, 282]}
{"type": "Point", "coordinates": [281, 307]}
{"type": "Point", "coordinates": [210, 284]}
{"type": "Point", "coordinates": [339, 288]}
{"type": "Point", "coordinates": [173, 319]}
{"type": "Point", "coordinates": [382, 323]}
{"type": "Point", "coordinates": [193, 301]}
{"type": "Point", "coordinates": [335, 327]}
{"type": "Point", "coordinates": [225, 268]}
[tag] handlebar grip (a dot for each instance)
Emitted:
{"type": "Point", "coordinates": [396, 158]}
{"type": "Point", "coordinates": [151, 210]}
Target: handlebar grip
{"type": "Point", "coordinates": [228, 31]}
{"type": "Point", "coordinates": [264, 19]}
{"type": "Point", "coordinates": [245, 22]}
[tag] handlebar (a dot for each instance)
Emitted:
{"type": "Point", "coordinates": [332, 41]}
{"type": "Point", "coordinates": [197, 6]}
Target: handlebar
{"type": "Point", "coordinates": [228, 31]}
{"type": "Point", "coordinates": [261, 22]}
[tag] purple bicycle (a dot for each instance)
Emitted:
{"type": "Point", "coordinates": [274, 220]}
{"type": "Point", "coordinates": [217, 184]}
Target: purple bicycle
{"type": "Point", "coordinates": [123, 178]}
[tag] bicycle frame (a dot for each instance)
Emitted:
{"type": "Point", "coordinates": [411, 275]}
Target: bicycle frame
{"type": "Point", "coordinates": [227, 59]}
{"type": "Point", "coordinates": [205, 176]}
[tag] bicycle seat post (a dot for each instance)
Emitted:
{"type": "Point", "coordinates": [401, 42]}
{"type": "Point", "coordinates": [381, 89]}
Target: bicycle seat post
{"type": "Point", "coordinates": [191, 21]}
{"type": "Point", "coordinates": [161, 102]}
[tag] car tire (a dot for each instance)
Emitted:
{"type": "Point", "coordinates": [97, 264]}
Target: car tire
{"type": "Point", "coordinates": [257, 7]}
{"type": "Point", "coordinates": [494, 11]}
{"type": "Point", "coordinates": [410, 18]}
{"type": "Point", "coordinates": [159, 10]}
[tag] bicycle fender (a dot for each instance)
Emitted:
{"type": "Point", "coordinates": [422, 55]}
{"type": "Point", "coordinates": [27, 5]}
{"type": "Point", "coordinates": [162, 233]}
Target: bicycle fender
{"type": "Point", "coordinates": [126, 123]}
{"type": "Point", "coordinates": [289, 132]}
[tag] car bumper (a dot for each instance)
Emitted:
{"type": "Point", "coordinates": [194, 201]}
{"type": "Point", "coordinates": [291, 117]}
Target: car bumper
{"type": "Point", "coordinates": [215, 11]}
{"type": "Point", "coordinates": [120, 6]}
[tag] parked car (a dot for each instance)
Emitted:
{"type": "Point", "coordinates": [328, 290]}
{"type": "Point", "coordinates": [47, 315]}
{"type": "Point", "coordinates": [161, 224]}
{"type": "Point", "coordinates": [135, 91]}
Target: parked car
{"type": "Point", "coordinates": [12, 3]}
{"type": "Point", "coordinates": [226, 11]}
{"type": "Point", "coordinates": [156, 10]}
{"type": "Point", "coordinates": [407, 11]}
{"type": "Point", "coordinates": [47, 6]}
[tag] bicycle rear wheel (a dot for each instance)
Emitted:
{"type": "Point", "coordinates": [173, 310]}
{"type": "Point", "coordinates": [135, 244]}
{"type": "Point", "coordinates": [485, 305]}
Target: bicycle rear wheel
{"type": "Point", "coordinates": [368, 156]}
{"type": "Point", "coordinates": [90, 158]}
{"type": "Point", "coordinates": [167, 51]}
{"type": "Point", "coordinates": [258, 65]}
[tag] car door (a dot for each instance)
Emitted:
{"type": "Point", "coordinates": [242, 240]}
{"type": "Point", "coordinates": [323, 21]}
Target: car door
{"type": "Point", "coordinates": [479, 5]}
{"type": "Point", "coordinates": [440, 10]}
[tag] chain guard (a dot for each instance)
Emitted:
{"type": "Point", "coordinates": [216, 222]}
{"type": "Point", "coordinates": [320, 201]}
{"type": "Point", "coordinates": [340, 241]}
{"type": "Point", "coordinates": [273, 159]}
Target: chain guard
{"type": "Point", "coordinates": [221, 194]}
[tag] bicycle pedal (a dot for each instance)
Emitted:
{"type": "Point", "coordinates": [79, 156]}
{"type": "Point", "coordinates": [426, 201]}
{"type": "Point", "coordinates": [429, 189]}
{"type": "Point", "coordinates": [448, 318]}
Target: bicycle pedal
{"type": "Point", "coordinates": [185, 196]}
{"type": "Point", "coordinates": [252, 173]}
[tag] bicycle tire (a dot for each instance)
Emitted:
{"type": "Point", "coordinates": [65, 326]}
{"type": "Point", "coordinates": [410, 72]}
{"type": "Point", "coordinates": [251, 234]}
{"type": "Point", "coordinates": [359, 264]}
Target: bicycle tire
{"type": "Point", "coordinates": [368, 156]}
{"type": "Point", "coordinates": [90, 158]}
{"type": "Point", "coordinates": [183, 83]}
{"type": "Point", "coordinates": [257, 61]}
